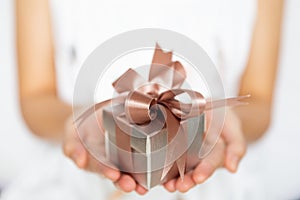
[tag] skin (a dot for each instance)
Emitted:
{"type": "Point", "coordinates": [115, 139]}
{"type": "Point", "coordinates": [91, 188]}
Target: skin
{"type": "Point", "coordinates": [260, 74]}
{"type": "Point", "coordinates": [50, 118]}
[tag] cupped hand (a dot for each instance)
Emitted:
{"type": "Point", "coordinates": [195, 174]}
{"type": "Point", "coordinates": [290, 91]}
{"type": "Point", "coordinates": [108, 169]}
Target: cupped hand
{"type": "Point", "coordinates": [74, 149]}
{"type": "Point", "coordinates": [228, 151]}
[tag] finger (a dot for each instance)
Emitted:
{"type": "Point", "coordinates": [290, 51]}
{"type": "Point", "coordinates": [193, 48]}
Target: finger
{"type": "Point", "coordinates": [209, 164]}
{"type": "Point", "coordinates": [126, 183]}
{"type": "Point", "coordinates": [74, 138]}
{"type": "Point", "coordinates": [108, 171]}
{"type": "Point", "coordinates": [185, 184]}
{"type": "Point", "coordinates": [170, 185]}
{"type": "Point", "coordinates": [234, 154]}
{"type": "Point", "coordinates": [236, 144]}
{"type": "Point", "coordinates": [73, 149]}
{"type": "Point", "coordinates": [80, 156]}
{"type": "Point", "coordinates": [236, 149]}
{"type": "Point", "coordinates": [76, 152]}
{"type": "Point", "coordinates": [140, 190]}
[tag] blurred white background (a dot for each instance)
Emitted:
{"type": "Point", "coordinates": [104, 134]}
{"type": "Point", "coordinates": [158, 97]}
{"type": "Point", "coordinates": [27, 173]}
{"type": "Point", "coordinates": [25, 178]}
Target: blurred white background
{"type": "Point", "coordinates": [280, 147]}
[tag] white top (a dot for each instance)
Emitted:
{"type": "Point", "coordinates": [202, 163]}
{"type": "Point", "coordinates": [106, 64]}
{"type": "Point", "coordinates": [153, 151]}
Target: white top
{"type": "Point", "coordinates": [222, 28]}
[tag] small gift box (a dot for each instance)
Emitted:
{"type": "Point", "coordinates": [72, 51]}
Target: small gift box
{"type": "Point", "coordinates": [142, 141]}
{"type": "Point", "coordinates": [149, 132]}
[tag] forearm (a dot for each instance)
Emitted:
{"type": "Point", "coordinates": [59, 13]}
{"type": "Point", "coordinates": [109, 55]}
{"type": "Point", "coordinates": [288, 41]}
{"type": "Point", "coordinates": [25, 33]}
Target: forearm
{"type": "Point", "coordinates": [46, 115]}
{"type": "Point", "coordinates": [255, 119]}
{"type": "Point", "coordinates": [260, 74]}
{"type": "Point", "coordinates": [42, 110]}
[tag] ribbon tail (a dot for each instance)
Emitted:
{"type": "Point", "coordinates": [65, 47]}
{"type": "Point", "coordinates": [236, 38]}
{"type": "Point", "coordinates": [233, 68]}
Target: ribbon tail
{"type": "Point", "coordinates": [80, 119]}
{"type": "Point", "coordinates": [181, 162]}
{"type": "Point", "coordinates": [173, 128]}
{"type": "Point", "coordinates": [235, 101]}
{"type": "Point", "coordinates": [177, 146]}
{"type": "Point", "coordinates": [166, 171]}
{"type": "Point", "coordinates": [98, 106]}
{"type": "Point", "coordinates": [182, 147]}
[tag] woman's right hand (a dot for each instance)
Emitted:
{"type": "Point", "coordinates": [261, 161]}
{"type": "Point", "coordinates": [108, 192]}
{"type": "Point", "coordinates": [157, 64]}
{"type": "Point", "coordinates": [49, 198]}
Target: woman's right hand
{"type": "Point", "coordinates": [74, 149]}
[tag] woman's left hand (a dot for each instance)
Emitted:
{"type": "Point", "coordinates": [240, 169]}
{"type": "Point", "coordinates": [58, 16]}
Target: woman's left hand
{"type": "Point", "coordinates": [228, 151]}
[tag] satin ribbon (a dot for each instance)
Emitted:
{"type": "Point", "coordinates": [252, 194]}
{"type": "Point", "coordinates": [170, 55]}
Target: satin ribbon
{"type": "Point", "coordinates": [142, 99]}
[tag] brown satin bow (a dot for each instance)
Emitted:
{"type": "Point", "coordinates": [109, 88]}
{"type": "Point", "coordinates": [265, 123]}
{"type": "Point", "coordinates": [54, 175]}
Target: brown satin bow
{"type": "Point", "coordinates": [143, 98]}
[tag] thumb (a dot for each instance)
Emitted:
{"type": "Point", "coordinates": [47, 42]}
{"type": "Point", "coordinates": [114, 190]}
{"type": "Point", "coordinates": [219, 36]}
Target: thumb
{"type": "Point", "coordinates": [72, 146]}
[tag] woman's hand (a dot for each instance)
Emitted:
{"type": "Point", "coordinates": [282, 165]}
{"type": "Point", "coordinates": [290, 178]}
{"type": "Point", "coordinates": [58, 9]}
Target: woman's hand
{"type": "Point", "coordinates": [74, 149]}
{"type": "Point", "coordinates": [228, 151]}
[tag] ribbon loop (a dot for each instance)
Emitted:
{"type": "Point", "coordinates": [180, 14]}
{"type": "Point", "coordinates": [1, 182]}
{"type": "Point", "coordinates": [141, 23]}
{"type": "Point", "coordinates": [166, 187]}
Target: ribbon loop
{"type": "Point", "coordinates": [179, 74]}
{"type": "Point", "coordinates": [180, 109]}
{"type": "Point", "coordinates": [164, 70]}
{"type": "Point", "coordinates": [159, 58]}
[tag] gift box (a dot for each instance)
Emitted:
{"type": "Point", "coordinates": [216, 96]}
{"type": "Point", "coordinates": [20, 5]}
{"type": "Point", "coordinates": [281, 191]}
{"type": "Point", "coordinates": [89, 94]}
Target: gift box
{"type": "Point", "coordinates": [142, 141]}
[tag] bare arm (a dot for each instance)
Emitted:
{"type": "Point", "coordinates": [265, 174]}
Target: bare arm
{"type": "Point", "coordinates": [45, 114]}
{"type": "Point", "coordinates": [42, 110]}
{"type": "Point", "coordinates": [248, 122]}
{"type": "Point", "coordinates": [260, 74]}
